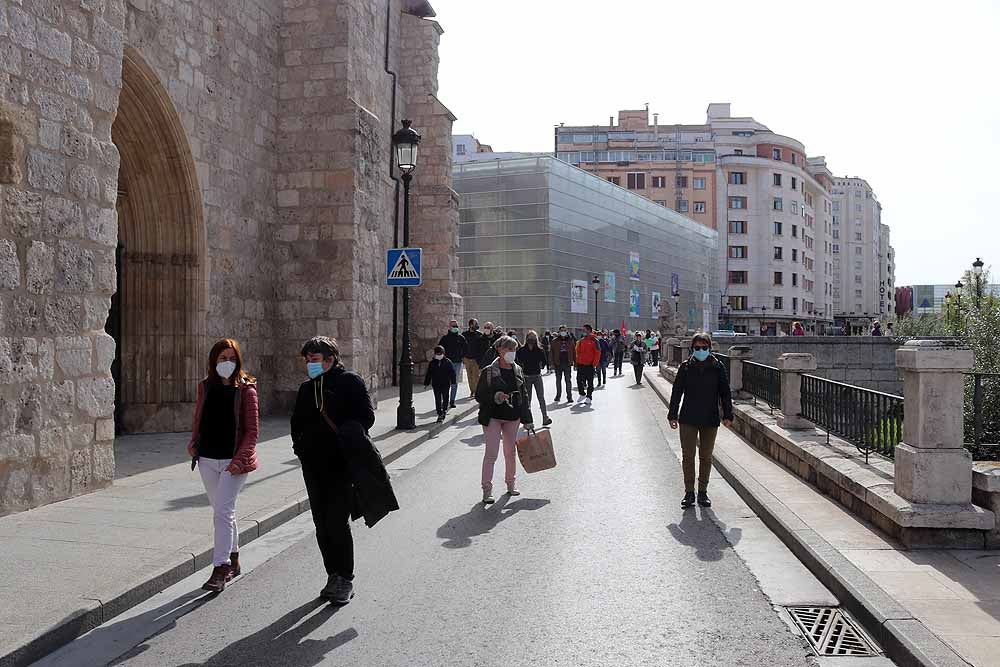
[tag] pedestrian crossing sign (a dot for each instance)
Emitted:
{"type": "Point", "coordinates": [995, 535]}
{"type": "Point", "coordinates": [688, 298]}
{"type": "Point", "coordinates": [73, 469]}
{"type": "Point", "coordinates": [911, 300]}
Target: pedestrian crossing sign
{"type": "Point", "coordinates": [402, 267]}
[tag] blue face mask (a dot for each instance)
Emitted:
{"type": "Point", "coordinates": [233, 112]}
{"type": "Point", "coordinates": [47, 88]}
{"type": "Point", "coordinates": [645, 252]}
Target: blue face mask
{"type": "Point", "coordinates": [314, 369]}
{"type": "Point", "coordinates": [701, 355]}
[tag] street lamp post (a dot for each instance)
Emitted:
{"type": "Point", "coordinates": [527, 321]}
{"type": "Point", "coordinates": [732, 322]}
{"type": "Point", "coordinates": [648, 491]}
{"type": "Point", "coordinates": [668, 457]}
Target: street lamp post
{"type": "Point", "coordinates": [405, 142]}
{"type": "Point", "coordinates": [763, 314]}
{"type": "Point", "coordinates": [977, 273]}
{"type": "Point", "coordinates": [958, 298]}
{"type": "Point", "coordinates": [596, 282]}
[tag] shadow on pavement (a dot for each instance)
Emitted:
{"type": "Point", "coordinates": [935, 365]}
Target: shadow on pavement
{"type": "Point", "coordinates": [458, 532]}
{"type": "Point", "coordinates": [700, 529]}
{"type": "Point", "coordinates": [201, 499]}
{"type": "Point", "coordinates": [284, 641]}
{"type": "Point", "coordinates": [475, 441]}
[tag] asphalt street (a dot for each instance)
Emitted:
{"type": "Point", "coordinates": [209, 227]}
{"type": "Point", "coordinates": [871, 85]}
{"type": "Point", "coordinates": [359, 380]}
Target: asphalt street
{"type": "Point", "coordinates": [595, 564]}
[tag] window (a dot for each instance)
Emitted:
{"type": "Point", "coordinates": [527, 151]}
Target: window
{"type": "Point", "coordinates": [795, 181]}
{"type": "Point", "coordinates": [699, 207]}
{"type": "Point", "coordinates": [738, 151]}
{"type": "Point", "coordinates": [636, 180]}
{"type": "Point", "coordinates": [857, 308]}
{"type": "Point", "coordinates": [737, 178]}
{"type": "Point", "coordinates": [836, 207]}
{"type": "Point", "coordinates": [858, 293]}
{"type": "Point", "coordinates": [836, 248]}
{"type": "Point", "coordinates": [615, 179]}
{"type": "Point", "coordinates": [775, 153]}
{"type": "Point", "coordinates": [737, 227]}
{"type": "Point", "coordinates": [778, 278]}
{"type": "Point", "coordinates": [795, 231]}
{"type": "Point", "coordinates": [460, 149]}
{"type": "Point", "coordinates": [795, 208]}
{"type": "Point", "coordinates": [779, 303]}
{"type": "Point", "coordinates": [777, 180]}
{"type": "Point", "coordinates": [857, 236]}
{"type": "Point", "coordinates": [794, 157]}
{"type": "Point", "coordinates": [777, 229]}
{"type": "Point", "coordinates": [661, 202]}
{"type": "Point", "coordinates": [738, 251]}
{"type": "Point", "coordinates": [795, 280]}
{"type": "Point", "coordinates": [682, 206]}
{"type": "Point", "coordinates": [699, 184]}
{"type": "Point", "coordinates": [777, 204]}
{"type": "Point", "coordinates": [737, 277]}
{"type": "Point", "coordinates": [795, 255]}
{"type": "Point", "coordinates": [738, 303]}
{"type": "Point", "coordinates": [632, 236]}
{"type": "Point", "coordinates": [778, 252]}
{"type": "Point", "coordinates": [857, 208]}
{"type": "Point", "coordinates": [836, 233]}
{"type": "Point", "coordinates": [795, 303]}
{"type": "Point", "coordinates": [807, 240]}
{"type": "Point", "coordinates": [857, 250]}
{"type": "Point", "coordinates": [659, 181]}
{"type": "Point", "coordinates": [681, 182]}
{"type": "Point", "coordinates": [737, 202]}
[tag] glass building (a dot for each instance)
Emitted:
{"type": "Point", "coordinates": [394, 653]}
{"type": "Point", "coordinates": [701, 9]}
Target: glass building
{"type": "Point", "coordinates": [535, 232]}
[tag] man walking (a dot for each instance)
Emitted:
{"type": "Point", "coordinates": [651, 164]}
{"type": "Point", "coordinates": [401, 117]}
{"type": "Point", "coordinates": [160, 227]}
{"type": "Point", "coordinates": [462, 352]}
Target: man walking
{"type": "Point", "coordinates": [588, 358]}
{"type": "Point", "coordinates": [618, 347]}
{"type": "Point", "coordinates": [455, 347]}
{"type": "Point", "coordinates": [475, 345]}
{"type": "Point", "coordinates": [562, 358]}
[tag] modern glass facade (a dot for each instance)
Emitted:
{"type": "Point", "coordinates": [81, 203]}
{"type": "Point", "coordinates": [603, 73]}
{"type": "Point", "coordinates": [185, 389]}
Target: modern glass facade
{"type": "Point", "coordinates": [530, 228]}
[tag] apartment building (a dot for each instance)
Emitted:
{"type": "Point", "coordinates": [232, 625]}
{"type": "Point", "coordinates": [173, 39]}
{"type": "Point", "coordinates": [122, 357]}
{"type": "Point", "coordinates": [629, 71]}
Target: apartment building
{"type": "Point", "coordinates": [771, 206]}
{"type": "Point", "coordinates": [466, 148]}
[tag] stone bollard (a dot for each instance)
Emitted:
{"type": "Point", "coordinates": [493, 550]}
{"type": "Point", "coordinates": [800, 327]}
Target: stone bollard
{"type": "Point", "coordinates": [932, 465]}
{"type": "Point", "coordinates": [685, 345]}
{"type": "Point", "coordinates": [671, 351]}
{"type": "Point", "coordinates": [737, 355]}
{"type": "Point", "coordinates": [792, 365]}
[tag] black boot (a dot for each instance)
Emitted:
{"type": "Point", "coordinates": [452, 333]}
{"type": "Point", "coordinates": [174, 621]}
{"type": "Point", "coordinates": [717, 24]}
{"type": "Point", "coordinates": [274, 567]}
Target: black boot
{"type": "Point", "coordinates": [703, 499]}
{"type": "Point", "coordinates": [688, 500]}
{"type": "Point", "coordinates": [234, 564]}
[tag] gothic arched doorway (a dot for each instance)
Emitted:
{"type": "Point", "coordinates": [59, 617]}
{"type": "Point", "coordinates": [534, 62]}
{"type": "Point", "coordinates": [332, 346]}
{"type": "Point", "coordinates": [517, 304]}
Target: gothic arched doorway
{"type": "Point", "coordinates": [158, 313]}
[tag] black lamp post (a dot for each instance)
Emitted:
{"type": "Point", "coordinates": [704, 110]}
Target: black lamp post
{"type": "Point", "coordinates": [596, 282]}
{"type": "Point", "coordinates": [977, 273]}
{"type": "Point", "coordinates": [405, 143]}
{"type": "Point", "coordinates": [958, 297]}
{"type": "Point", "coordinates": [763, 314]}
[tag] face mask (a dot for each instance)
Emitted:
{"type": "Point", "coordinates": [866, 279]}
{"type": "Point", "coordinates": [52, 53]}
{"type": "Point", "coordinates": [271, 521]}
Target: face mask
{"type": "Point", "coordinates": [563, 334]}
{"type": "Point", "coordinates": [509, 357]}
{"type": "Point", "coordinates": [315, 369]}
{"type": "Point", "coordinates": [487, 331]}
{"type": "Point", "coordinates": [225, 369]}
{"type": "Point", "coordinates": [701, 355]}
{"type": "Point", "coordinates": [439, 357]}
{"type": "Point", "coordinates": [454, 329]}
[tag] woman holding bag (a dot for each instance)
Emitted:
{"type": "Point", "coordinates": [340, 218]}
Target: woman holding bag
{"type": "Point", "coordinates": [224, 446]}
{"type": "Point", "coordinates": [503, 400]}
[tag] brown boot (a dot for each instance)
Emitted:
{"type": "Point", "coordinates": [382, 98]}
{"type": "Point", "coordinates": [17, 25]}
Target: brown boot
{"type": "Point", "coordinates": [234, 565]}
{"type": "Point", "coordinates": [217, 582]}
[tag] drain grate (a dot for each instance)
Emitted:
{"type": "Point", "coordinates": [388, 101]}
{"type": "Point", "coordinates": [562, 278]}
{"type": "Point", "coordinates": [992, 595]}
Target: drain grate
{"type": "Point", "coordinates": [832, 632]}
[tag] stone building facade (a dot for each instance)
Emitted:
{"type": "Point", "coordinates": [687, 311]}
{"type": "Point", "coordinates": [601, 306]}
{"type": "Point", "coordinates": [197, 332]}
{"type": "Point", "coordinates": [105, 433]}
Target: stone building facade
{"type": "Point", "coordinates": [173, 172]}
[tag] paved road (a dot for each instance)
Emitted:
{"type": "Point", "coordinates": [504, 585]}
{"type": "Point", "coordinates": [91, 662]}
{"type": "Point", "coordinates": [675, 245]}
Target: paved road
{"type": "Point", "coordinates": [596, 564]}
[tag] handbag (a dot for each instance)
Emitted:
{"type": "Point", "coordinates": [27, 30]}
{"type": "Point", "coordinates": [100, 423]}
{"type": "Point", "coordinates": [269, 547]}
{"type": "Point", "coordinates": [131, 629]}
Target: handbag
{"type": "Point", "coordinates": [535, 451]}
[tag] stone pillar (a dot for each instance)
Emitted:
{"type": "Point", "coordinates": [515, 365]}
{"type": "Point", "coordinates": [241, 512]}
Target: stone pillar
{"type": "Point", "coordinates": [737, 355]}
{"type": "Point", "coordinates": [932, 466]}
{"type": "Point", "coordinates": [669, 354]}
{"type": "Point", "coordinates": [685, 345]}
{"type": "Point", "coordinates": [792, 365]}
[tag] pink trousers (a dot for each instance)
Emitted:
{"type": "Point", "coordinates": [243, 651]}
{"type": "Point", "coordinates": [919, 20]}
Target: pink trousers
{"type": "Point", "coordinates": [497, 429]}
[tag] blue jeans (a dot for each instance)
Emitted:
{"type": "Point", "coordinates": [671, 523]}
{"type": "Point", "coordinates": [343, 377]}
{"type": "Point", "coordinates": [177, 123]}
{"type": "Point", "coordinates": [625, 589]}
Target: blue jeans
{"type": "Point", "coordinates": [458, 366]}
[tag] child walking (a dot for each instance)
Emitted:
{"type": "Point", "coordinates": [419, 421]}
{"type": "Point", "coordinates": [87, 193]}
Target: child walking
{"type": "Point", "coordinates": [440, 376]}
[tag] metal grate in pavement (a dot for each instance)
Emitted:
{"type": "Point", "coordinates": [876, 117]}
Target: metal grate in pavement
{"type": "Point", "coordinates": [831, 632]}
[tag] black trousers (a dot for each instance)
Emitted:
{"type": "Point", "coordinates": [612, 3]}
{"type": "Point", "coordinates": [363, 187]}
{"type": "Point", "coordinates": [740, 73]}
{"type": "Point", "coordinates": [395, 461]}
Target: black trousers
{"type": "Point", "coordinates": [619, 358]}
{"type": "Point", "coordinates": [602, 373]}
{"type": "Point", "coordinates": [563, 373]}
{"type": "Point", "coordinates": [330, 499]}
{"type": "Point", "coordinates": [442, 398]}
{"type": "Point", "coordinates": [585, 380]}
{"type": "Point", "coordinates": [637, 368]}
{"type": "Point", "coordinates": [656, 357]}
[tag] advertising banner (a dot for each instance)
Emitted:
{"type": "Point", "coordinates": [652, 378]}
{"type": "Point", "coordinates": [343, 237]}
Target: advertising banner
{"type": "Point", "coordinates": [633, 266]}
{"type": "Point", "coordinates": [655, 312]}
{"type": "Point", "coordinates": [633, 302]}
{"type": "Point", "coordinates": [923, 298]}
{"type": "Point", "coordinates": [675, 284]}
{"type": "Point", "coordinates": [578, 297]}
{"type": "Point", "coordinates": [609, 287]}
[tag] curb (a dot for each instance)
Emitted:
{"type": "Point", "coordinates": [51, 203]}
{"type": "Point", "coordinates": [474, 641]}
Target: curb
{"type": "Point", "coordinates": [94, 613]}
{"type": "Point", "coordinates": [903, 638]}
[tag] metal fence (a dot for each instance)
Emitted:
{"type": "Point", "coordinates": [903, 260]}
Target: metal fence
{"type": "Point", "coordinates": [726, 362]}
{"type": "Point", "coordinates": [982, 415]}
{"type": "Point", "coordinates": [763, 382]}
{"type": "Point", "coordinates": [871, 420]}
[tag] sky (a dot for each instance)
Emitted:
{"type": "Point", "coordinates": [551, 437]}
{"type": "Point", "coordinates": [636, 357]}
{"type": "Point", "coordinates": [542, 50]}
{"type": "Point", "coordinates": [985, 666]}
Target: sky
{"type": "Point", "coordinates": [902, 94]}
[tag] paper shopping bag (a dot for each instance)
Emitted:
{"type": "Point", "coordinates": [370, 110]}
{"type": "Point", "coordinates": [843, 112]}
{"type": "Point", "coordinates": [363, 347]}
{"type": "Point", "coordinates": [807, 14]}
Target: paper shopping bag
{"type": "Point", "coordinates": [535, 451]}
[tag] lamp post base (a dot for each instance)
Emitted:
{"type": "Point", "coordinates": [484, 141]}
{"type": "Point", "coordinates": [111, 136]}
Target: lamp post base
{"type": "Point", "coordinates": [406, 418]}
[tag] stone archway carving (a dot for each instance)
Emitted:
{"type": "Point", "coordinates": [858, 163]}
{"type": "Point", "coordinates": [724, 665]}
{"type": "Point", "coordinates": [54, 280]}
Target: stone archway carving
{"type": "Point", "coordinates": [162, 247]}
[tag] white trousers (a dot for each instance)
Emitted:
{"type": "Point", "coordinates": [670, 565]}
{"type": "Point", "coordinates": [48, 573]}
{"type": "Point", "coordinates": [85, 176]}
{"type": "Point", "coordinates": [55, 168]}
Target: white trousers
{"type": "Point", "coordinates": [222, 488]}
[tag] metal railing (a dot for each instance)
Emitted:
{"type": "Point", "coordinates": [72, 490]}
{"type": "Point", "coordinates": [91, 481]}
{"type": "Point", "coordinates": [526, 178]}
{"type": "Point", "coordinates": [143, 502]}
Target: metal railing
{"type": "Point", "coordinates": [870, 420]}
{"type": "Point", "coordinates": [982, 415]}
{"type": "Point", "coordinates": [726, 362]}
{"type": "Point", "coordinates": [763, 382]}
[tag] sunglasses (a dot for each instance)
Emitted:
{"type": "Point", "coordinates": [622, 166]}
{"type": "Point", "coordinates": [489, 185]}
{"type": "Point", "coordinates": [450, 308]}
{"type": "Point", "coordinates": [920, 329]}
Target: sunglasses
{"type": "Point", "coordinates": [700, 347]}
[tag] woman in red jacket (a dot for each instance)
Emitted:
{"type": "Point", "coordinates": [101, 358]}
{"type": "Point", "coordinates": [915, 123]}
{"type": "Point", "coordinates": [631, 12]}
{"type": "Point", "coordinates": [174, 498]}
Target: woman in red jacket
{"type": "Point", "coordinates": [224, 446]}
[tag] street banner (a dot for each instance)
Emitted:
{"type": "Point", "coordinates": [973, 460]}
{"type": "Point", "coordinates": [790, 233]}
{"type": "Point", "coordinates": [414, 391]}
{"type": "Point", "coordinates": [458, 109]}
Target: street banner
{"type": "Point", "coordinates": [623, 329]}
{"type": "Point", "coordinates": [633, 266]}
{"type": "Point", "coordinates": [705, 320]}
{"type": "Point", "coordinates": [923, 298]}
{"type": "Point", "coordinates": [633, 302]}
{"type": "Point", "coordinates": [578, 297]}
{"type": "Point", "coordinates": [675, 284]}
{"type": "Point", "coordinates": [609, 287]}
{"type": "Point", "coordinates": [655, 312]}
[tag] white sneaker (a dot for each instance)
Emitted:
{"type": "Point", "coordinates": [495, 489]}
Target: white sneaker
{"type": "Point", "coordinates": [589, 401]}
{"type": "Point", "coordinates": [580, 399]}
{"type": "Point", "coordinates": [512, 490]}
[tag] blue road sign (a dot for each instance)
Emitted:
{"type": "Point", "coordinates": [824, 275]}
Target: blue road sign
{"type": "Point", "coordinates": [402, 267]}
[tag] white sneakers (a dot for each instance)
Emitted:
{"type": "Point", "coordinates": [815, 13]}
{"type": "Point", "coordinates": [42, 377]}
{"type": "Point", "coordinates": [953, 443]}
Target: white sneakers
{"type": "Point", "coordinates": [589, 401]}
{"type": "Point", "coordinates": [512, 490]}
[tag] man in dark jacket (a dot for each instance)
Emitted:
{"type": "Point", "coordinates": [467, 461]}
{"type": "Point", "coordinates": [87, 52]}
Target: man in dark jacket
{"type": "Point", "coordinates": [321, 425]}
{"type": "Point", "coordinates": [493, 334]}
{"type": "Point", "coordinates": [455, 346]}
{"type": "Point", "coordinates": [562, 358]}
{"type": "Point", "coordinates": [440, 375]}
{"type": "Point", "coordinates": [475, 345]}
{"type": "Point", "coordinates": [702, 383]}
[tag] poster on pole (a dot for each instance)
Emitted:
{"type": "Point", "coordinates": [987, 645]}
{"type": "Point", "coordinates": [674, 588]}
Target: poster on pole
{"type": "Point", "coordinates": [675, 284]}
{"type": "Point", "coordinates": [609, 287]}
{"type": "Point", "coordinates": [633, 266]}
{"type": "Point", "coordinates": [633, 302]}
{"type": "Point", "coordinates": [655, 312]}
{"type": "Point", "coordinates": [578, 297]}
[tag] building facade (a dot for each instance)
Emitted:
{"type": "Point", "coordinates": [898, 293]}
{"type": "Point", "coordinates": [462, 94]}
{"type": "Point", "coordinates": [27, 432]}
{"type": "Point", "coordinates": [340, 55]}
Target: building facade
{"type": "Point", "coordinates": [535, 232]}
{"type": "Point", "coordinates": [769, 204]}
{"type": "Point", "coordinates": [173, 173]}
{"type": "Point", "coordinates": [466, 148]}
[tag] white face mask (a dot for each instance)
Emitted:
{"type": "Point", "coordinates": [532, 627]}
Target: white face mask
{"type": "Point", "coordinates": [509, 357]}
{"type": "Point", "coordinates": [563, 334]}
{"type": "Point", "coordinates": [225, 369]}
{"type": "Point", "coordinates": [487, 331]}
{"type": "Point", "coordinates": [439, 357]}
